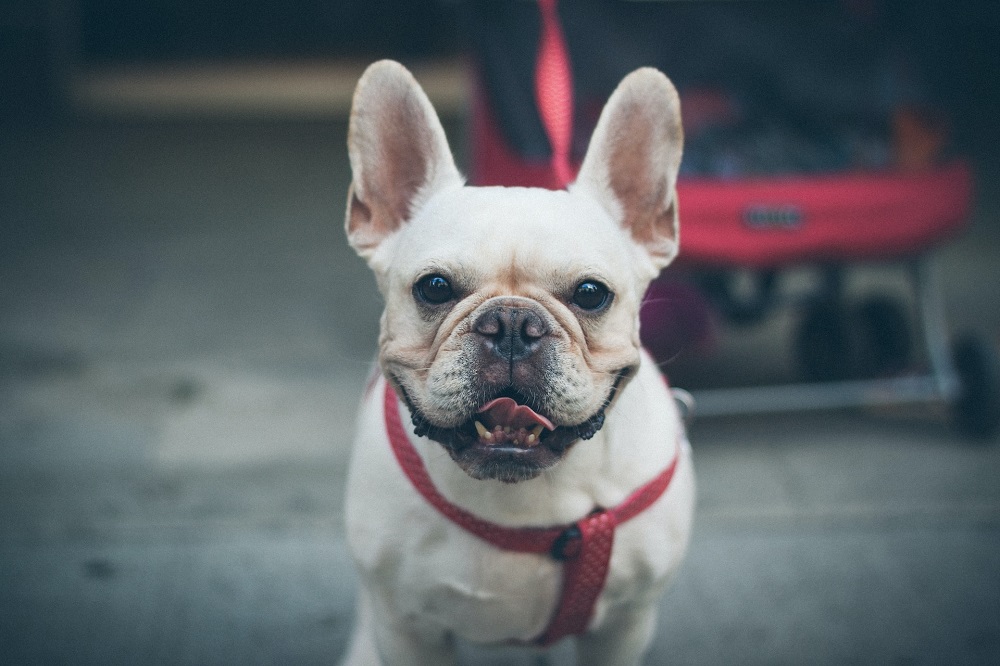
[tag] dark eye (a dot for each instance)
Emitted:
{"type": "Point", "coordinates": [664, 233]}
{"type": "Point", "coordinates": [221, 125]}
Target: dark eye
{"type": "Point", "coordinates": [591, 295]}
{"type": "Point", "coordinates": [433, 289]}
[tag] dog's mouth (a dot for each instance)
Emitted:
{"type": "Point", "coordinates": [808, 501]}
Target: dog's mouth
{"type": "Point", "coordinates": [504, 421]}
{"type": "Point", "coordinates": [509, 438]}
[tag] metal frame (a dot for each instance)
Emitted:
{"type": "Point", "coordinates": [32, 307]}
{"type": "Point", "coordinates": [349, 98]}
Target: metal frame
{"type": "Point", "coordinates": [939, 384]}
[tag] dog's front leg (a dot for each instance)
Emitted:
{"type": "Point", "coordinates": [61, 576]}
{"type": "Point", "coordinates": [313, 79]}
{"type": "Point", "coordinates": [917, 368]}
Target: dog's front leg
{"type": "Point", "coordinates": [379, 640]}
{"type": "Point", "coordinates": [619, 642]}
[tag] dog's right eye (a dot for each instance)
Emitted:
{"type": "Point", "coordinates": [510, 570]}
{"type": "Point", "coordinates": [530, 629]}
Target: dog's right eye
{"type": "Point", "coordinates": [433, 290]}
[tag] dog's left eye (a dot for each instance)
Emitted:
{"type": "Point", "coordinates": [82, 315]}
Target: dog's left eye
{"type": "Point", "coordinates": [591, 295]}
{"type": "Point", "coordinates": [433, 289]}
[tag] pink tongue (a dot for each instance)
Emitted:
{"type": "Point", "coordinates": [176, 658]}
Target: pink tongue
{"type": "Point", "coordinates": [506, 412]}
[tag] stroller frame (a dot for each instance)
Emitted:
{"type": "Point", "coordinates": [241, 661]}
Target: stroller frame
{"type": "Point", "coordinates": [940, 384]}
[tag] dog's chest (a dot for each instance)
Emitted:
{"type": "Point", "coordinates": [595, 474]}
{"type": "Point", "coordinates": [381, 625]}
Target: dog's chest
{"type": "Point", "coordinates": [484, 594]}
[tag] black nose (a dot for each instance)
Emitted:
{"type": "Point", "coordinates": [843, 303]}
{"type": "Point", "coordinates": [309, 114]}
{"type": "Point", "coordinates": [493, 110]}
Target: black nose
{"type": "Point", "coordinates": [511, 333]}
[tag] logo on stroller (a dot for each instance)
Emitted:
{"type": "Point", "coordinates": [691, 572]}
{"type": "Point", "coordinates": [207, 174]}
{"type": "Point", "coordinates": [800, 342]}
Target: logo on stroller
{"type": "Point", "coordinates": [773, 217]}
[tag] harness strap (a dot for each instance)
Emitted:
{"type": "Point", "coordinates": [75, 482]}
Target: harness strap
{"type": "Point", "coordinates": [583, 578]}
{"type": "Point", "coordinates": [584, 546]}
{"type": "Point", "coordinates": [554, 91]}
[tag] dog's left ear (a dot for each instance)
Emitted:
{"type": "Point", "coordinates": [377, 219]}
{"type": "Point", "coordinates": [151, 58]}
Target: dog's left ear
{"type": "Point", "coordinates": [399, 155]}
{"type": "Point", "coordinates": [632, 162]}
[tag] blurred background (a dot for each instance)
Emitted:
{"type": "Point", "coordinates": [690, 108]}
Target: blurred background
{"type": "Point", "coordinates": [184, 332]}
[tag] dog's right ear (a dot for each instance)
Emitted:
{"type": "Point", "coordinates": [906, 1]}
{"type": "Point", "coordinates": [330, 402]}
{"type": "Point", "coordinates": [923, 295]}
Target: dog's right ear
{"type": "Point", "coordinates": [633, 160]}
{"type": "Point", "coordinates": [399, 155]}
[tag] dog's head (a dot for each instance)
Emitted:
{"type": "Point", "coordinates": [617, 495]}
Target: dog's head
{"type": "Point", "coordinates": [512, 314]}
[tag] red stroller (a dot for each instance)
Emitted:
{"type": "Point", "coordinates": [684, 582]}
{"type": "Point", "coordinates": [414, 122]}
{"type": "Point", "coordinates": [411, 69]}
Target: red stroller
{"type": "Point", "coordinates": [779, 173]}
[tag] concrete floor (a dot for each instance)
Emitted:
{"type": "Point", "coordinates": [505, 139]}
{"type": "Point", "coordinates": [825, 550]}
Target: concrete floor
{"type": "Point", "coordinates": [183, 334]}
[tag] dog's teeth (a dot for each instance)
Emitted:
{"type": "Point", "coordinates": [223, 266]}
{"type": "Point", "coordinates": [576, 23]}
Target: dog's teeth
{"type": "Point", "coordinates": [531, 439]}
{"type": "Point", "coordinates": [483, 432]}
{"type": "Point", "coordinates": [506, 430]}
{"type": "Point", "coordinates": [536, 432]}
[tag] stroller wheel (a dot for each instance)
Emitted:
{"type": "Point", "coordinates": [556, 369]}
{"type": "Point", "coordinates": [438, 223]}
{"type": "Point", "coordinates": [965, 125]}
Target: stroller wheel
{"type": "Point", "coordinates": [977, 409]}
{"type": "Point", "coordinates": [823, 342]}
{"type": "Point", "coordinates": [884, 343]}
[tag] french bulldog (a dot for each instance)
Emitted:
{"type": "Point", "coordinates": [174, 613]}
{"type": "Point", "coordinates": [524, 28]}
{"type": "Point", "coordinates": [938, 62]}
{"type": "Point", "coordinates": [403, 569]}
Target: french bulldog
{"type": "Point", "coordinates": [514, 400]}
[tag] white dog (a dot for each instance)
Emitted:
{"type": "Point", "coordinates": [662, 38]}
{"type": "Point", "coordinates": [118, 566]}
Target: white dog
{"type": "Point", "coordinates": [545, 486]}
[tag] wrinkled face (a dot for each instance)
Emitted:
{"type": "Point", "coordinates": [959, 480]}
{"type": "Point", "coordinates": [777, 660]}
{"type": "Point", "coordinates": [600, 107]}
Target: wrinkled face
{"type": "Point", "coordinates": [511, 320]}
{"type": "Point", "coordinates": [511, 314]}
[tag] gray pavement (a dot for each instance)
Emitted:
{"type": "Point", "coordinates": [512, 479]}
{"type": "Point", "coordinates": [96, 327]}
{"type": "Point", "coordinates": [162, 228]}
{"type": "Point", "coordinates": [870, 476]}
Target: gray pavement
{"type": "Point", "coordinates": [183, 334]}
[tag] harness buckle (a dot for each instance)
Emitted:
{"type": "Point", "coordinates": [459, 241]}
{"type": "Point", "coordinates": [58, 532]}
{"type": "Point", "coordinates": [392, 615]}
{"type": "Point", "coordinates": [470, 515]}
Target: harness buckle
{"type": "Point", "coordinates": [568, 544]}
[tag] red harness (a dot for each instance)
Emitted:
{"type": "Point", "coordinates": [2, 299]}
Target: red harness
{"type": "Point", "coordinates": [584, 547]}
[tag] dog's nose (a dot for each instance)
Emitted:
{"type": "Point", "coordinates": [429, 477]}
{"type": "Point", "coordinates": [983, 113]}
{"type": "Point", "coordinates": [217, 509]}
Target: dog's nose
{"type": "Point", "coordinates": [512, 333]}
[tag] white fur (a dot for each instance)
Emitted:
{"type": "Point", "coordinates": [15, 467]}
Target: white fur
{"type": "Point", "coordinates": [425, 579]}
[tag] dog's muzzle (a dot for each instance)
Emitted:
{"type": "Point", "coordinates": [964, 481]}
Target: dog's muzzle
{"type": "Point", "coordinates": [507, 432]}
{"type": "Point", "coordinates": [506, 439]}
